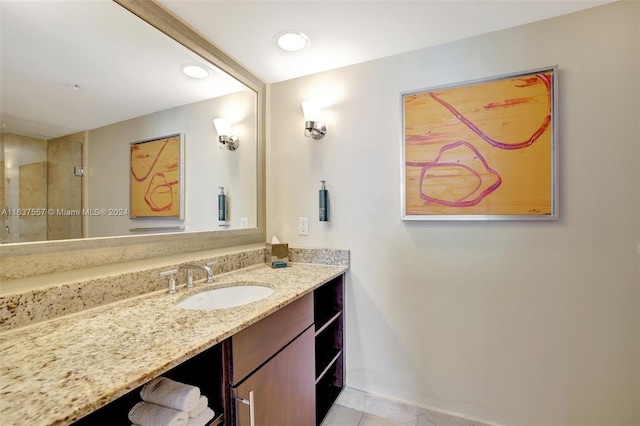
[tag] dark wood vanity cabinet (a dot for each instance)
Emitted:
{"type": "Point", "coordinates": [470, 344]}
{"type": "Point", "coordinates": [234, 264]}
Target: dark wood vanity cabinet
{"type": "Point", "coordinates": [288, 368]}
{"type": "Point", "coordinates": [281, 392]}
{"type": "Point", "coordinates": [272, 370]}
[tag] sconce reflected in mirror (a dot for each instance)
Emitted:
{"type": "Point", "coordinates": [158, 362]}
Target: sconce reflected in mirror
{"type": "Point", "coordinates": [223, 128]}
{"type": "Point", "coordinates": [313, 127]}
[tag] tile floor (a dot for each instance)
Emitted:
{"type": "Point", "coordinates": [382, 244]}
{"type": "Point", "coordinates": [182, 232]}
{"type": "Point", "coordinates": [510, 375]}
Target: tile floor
{"type": "Point", "coordinates": [380, 411]}
{"type": "Point", "coordinates": [340, 415]}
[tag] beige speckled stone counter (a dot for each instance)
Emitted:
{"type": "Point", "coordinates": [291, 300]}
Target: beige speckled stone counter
{"type": "Point", "coordinates": [27, 301]}
{"type": "Point", "coordinates": [58, 371]}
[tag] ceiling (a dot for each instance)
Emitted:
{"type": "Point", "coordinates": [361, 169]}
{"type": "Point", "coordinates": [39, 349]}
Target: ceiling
{"type": "Point", "coordinates": [72, 65]}
{"type": "Point", "coordinates": [348, 32]}
{"type": "Point", "coordinates": [125, 68]}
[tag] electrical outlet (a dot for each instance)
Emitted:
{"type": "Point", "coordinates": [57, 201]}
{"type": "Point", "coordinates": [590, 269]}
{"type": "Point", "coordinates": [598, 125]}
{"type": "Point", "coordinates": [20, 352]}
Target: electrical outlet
{"type": "Point", "coordinates": [244, 222]}
{"type": "Point", "coordinates": [303, 226]}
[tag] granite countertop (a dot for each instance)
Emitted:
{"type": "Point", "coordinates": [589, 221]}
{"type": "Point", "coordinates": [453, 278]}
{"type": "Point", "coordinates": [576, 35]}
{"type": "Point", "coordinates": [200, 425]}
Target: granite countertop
{"type": "Point", "coordinates": [56, 372]}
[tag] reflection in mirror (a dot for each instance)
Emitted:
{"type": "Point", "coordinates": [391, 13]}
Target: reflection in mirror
{"type": "Point", "coordinates": [77, 90]}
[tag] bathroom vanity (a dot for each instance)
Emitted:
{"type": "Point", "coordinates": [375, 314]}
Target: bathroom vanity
{"type": "Point", "coordinates": [280, 356]}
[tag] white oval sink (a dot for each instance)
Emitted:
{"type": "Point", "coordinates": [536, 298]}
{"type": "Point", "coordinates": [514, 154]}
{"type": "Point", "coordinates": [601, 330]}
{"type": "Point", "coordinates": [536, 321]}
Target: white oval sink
{"type": "Point", "coordinates": [226, 297]}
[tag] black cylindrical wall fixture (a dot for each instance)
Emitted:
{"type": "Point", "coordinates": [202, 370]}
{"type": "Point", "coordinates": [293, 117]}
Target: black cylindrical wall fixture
{"type": "Point", "coordinates": [222, 207]}
{"type": "Point", "coordinates": [324, 203]}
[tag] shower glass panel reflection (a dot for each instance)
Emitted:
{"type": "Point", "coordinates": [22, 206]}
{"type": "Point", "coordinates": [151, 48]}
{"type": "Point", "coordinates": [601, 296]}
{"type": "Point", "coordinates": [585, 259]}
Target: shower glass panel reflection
{"type": "Point", "coordinates": [41, 197]}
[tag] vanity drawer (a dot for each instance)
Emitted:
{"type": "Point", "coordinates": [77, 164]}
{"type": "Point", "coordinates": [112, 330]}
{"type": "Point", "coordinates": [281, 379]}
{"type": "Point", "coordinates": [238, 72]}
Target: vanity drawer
{"type": "Point", "coordinates": [254, 345]}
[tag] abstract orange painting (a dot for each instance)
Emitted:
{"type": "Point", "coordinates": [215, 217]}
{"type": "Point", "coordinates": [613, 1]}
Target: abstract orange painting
{"type": "Point", "coordinates": [156, 178]}
{"type": "Point", "coordinates": [482, 150]}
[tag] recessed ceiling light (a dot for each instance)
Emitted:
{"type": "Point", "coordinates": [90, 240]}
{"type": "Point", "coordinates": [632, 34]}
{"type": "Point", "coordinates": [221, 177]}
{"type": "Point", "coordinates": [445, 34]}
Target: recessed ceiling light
{"type": "Point", "coordinates": [194, 71]}
{"type": "Point", "coordinates": [292, 41]}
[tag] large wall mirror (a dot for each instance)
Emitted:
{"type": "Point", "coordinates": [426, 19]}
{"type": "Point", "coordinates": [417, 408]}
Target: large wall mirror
{"type": "Point", "coordinates": [83, 81]}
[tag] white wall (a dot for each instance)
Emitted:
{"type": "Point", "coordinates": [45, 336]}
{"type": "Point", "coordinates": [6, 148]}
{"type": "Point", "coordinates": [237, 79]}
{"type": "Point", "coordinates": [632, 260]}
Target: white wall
{"type": "Point", "coordinates": [521, 323]}
{"type": "Point", "coordinates": [207, 167]}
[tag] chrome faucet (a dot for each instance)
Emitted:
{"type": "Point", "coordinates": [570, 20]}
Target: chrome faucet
{"type": "Point", "coordinates": [172, 279]}
{"type": "Point", "coordinates": [206, 268]}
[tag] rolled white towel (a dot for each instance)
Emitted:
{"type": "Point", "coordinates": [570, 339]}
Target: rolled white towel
{"type": "Point", "coordinates": [203, 418]}
{"type": "Point", "coordinates": [201, 405]}
{"type": "Point", "coordinates": [172, 394]}
{"type": "Point", "coordinates": [147, 414]}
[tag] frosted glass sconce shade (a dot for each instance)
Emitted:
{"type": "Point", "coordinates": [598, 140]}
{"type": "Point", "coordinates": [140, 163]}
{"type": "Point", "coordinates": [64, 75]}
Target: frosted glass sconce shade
{"type": "Point", "coordinates": [222, 125]}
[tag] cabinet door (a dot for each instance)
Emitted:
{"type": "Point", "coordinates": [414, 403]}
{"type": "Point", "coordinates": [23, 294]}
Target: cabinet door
{"type": "Point", "coordinates": [283, 389]}
{"type": "Point", "coordinates": [252, 346]}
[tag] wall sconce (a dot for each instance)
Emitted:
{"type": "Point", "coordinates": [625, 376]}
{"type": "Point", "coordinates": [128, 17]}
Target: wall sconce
{"type": "Point", "coordinates": [313, 127]}
{"type": "Point", "coordinates": [223, 128]}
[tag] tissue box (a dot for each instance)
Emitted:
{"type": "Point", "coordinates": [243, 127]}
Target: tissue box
{"type": "Point", "coordinates": [279, 252]}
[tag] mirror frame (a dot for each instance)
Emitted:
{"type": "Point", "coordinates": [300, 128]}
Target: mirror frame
{"type": "Point", "coordinates": [22, 260]}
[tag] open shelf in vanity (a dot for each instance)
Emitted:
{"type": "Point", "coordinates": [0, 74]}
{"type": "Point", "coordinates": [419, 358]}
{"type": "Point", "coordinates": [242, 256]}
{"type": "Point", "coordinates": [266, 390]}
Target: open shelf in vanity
{"type": "Point", "coordinates": [203, 370]}
{"type": "Point", "coordinates": [328, 306]}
